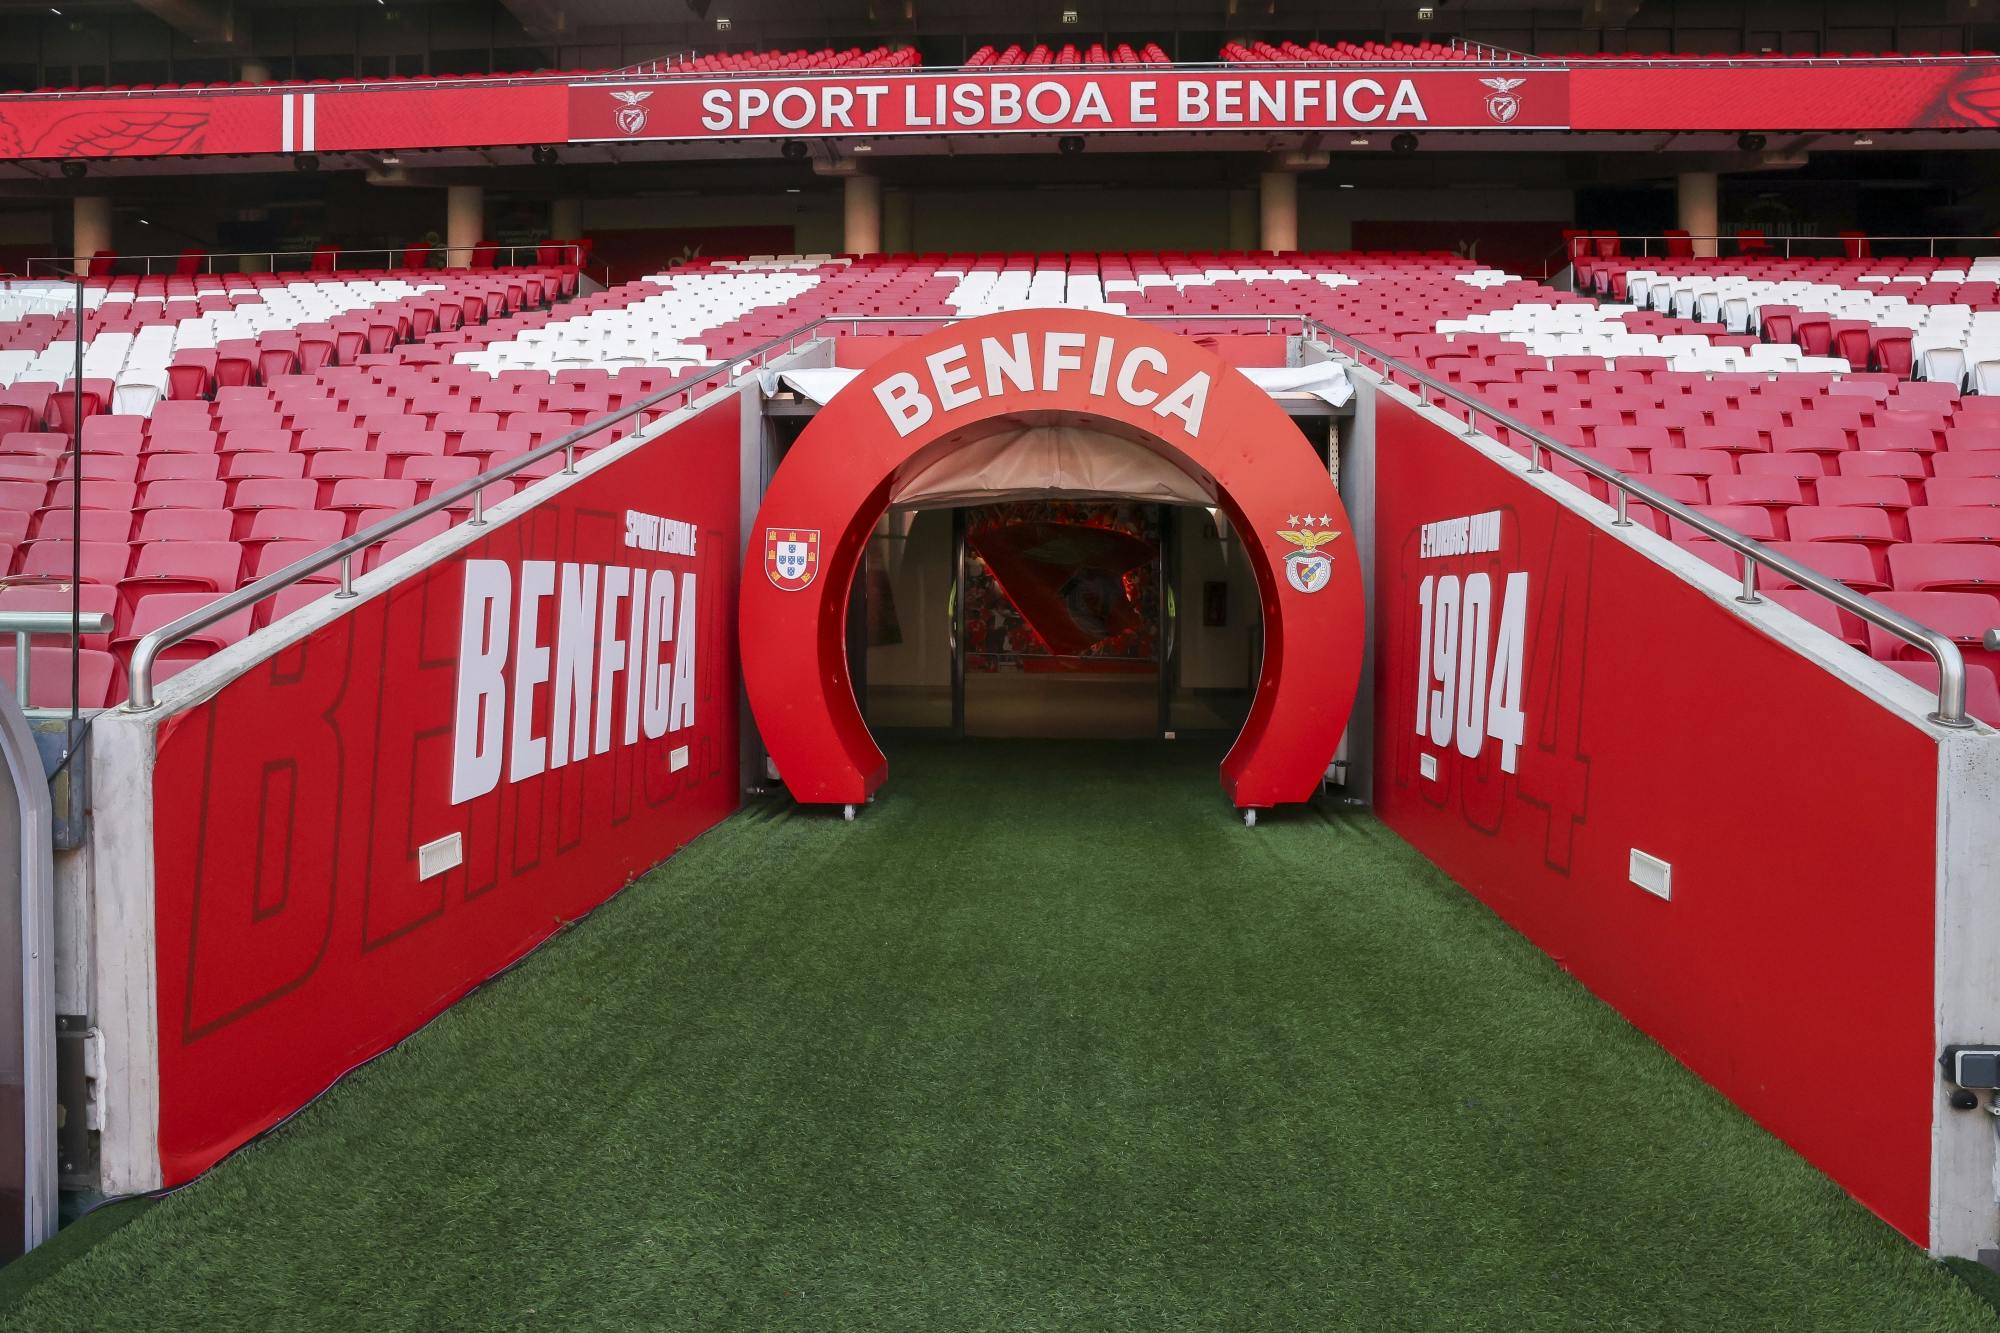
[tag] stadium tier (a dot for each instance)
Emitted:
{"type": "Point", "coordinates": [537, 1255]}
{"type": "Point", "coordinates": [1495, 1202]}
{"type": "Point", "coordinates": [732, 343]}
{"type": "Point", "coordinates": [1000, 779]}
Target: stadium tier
{"type": "Point", "coordinates": [1320, 53]}
{"type": "Point", "coordinates": [1096, 53]}
{"type": "Point", "coordinates": [211, 460]}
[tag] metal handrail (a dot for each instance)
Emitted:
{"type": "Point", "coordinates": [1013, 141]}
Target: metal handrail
{"type": "Point", "coordinates": [139, 673]}
{"type": "Point", "coordinates": [1951, 663]}
{"type": "Point", "coordinates": [1646, 246]}
{"type": "Point", "coordinates": [24, 625]}
{"type": "Point", "coordinates": [65, 265]}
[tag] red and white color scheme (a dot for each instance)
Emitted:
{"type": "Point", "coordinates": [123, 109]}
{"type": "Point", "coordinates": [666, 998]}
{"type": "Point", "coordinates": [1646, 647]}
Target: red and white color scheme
{"type": "Point", "coordinates": [1718, 817]}
{"type": "Point", "coordinates": [1960, 92]}
{"type": "Point", "coordinates": [357, 823]}
{"type": "Point", "coordinates": [1031, 100]}
{"type": "Point", "coordinates": [791, 557]}
{"type": "Point", "coordinates": [1660, 790]}
{"type": "Point", "coordinates": [1152, 388]}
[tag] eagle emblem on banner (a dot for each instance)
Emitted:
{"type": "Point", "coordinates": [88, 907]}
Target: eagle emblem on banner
{"type": "Point", "coordinates": [1502, 104]}
{"type": "Point", "coordinates": [1308, 568]}
{"type": "Point", "coordinates": [631, 116]}
{"type": "Point", "coordinates": [791, 557]}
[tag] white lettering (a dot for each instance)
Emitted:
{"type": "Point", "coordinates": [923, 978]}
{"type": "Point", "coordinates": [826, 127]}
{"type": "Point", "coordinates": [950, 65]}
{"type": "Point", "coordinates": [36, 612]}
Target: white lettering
{"type": "Point", "coordinates": [1354, 109]}
{"type": "Point", "coordinates": [1090, 105]}
{"type": "Point", "coordinates": [1193, 101]}
{"type": "Point", "coordinates": [715, 109]}
{"type": "Point", "coordinates": [576, 637]}
{"type": "Point", "coordinates": [948, 377]}
{"type": "Point", "coordinates": [480, 727]}
{"type": "Point", "coordinates": [1187, 402]}
{"type": "Point", "coordinates": [1059, 354]}
{"type": "Point", "coordinates": [1100, 368]}
{"type": "Point", "coordinates": [1042, 93]}
{"type": "Point", "coordinates": [837, 111]}
{"type": "Point", "coordinates": [527, 752]}
{"type": "Point", "coordinates": [658, 669]}
{"type": "Point", "coordinates": [1006, 109]}
{"type": "Point", "coordinates": [1015, 366]}
{"type": "Point", "coordinates": [903, 399]}
{"type": "Point", "coordinates": [610, 652]}
{"type": "Point", "coordinates": [1128, 375]}
{"type": "Point", "coordinates": [796, 120]}
{"type": "Point", "coordinates": [1267, 101]}
{"type": "Point", "coordinates": [683, 707]}
{"type": "Point", "coordinates": [751, 103]}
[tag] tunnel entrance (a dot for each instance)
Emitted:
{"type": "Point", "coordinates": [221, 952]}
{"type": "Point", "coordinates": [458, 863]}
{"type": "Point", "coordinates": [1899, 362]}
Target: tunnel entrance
{"type": "Point", "coordinates": [1091, 617]}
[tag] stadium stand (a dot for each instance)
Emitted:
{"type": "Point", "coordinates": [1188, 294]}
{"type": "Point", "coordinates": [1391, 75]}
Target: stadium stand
{"type": "Point", "coordinates": [1096, 53]}
{"type": "Point", "coordinates": [1343, 53]}
{"type": "Point", "coordinates": [213, 459]}
{"type": "Point", "coordinates": [1081, 486]}
{"type": "Point", "coordinates": [1938, 319]}
{"type": "Point", "coordinates": [825, 59]}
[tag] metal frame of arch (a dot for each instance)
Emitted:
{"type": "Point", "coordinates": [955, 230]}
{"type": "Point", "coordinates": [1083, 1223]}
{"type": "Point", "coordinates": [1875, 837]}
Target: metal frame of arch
{"type": "Point", "coordinates": [937, 391]}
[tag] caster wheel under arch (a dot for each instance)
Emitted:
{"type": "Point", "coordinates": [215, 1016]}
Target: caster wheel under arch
{"type": "Point", "coordinates": [1250, 817]}
{"type": "Point", "coordinates": [847, 813]}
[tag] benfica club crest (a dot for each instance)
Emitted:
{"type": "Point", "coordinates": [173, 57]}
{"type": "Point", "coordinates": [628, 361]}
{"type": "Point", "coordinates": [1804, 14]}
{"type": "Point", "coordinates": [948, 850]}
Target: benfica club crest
{"type": "Point", "coordinates": [1308, 569]}
{"type": "Point", "coordinates": [631, 116]}
{"type": "Point", "coordinates": [1503, 105]}
{"type": "Point", "coordinates": [791, 557]}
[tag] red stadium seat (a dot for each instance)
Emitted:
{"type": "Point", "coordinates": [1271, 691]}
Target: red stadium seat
{"type": "Point", "coordinates": [1945, 567]}
{"type": "Point", "coordinates": [1955, 523]}
{"type": "Point", "coordinates": [1812, 607]}
{"type": "Point", "coordinates": [156, 610]}
{"type": "Point", "coordinates": [90, 525]}
{"type": "Point", "coordinates": [49, 675]}
{"type": "Point", "coordinates": [1963, 617]}
{"type": "Point", "coordinates": [1982, 694]}
{"type": "Point", "coordinates": [1848, 562]}
{"type": "Point", "coordinates": [101, 562]}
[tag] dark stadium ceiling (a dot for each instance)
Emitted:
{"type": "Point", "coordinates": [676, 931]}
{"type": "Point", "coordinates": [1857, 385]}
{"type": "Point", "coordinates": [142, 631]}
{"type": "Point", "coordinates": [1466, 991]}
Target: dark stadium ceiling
{"type": "Point", "coordinates": [214, 22]}
{"type": "Point", "coordinates": [780, 19]}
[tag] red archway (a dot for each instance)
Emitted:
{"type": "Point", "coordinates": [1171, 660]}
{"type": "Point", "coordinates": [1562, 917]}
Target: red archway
{"type": "Point", "coordinates": [1178, 399]}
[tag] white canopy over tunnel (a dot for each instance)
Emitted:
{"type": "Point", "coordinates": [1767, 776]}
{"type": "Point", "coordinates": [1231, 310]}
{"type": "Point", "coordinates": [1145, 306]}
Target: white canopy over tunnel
{"type": "Point", "coordinates": [1041, 460]}
{"type": "Point", "coordinates": [1029, 462]}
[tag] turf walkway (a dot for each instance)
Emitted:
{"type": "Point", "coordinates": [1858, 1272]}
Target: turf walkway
{"type": "Point", "coordinates": [1046, 1040]}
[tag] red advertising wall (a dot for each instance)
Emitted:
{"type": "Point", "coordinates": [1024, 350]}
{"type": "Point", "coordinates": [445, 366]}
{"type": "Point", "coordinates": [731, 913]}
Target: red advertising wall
{"type": "Point", "coordinates": [1594, 95]}
{"type": "Point", "coordinates": [1786, 95]}
{"type": "Point", "coordinates": [1798, 816]}
{"type": "Point", "coordinates": [1043, 101]}
{"type": "Point", "coordinates": [294, 936]}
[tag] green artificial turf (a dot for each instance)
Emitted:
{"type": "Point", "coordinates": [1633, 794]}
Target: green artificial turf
{"type": "Point", "coordinates": [1045, 1040]}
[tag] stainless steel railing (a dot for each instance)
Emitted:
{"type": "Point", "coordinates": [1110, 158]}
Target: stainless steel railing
{"type": "Point", "coordinates": [1577, 248]}
{"type": "Point", "coordinates": [1753, 554]}
{"type": "Point", "coordinates": [139, 673]}
{"type": "Point", "coordinates": [66, 266]}
{"type": "Point", "coordinates": [1951, 663]}
{"type": "Point", "coordinates": [24, 626]}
